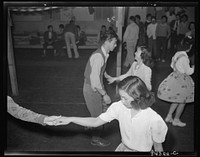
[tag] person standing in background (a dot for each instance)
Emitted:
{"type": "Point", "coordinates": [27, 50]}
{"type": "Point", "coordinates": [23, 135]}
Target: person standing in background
{"type": "Point", "coordinates": [183, 27]}
{"type": "Point", "coordinates": [70, 33]}
{"type": "Point", "coordinates": [151, 33]}
{"type": "Point", "coordinates": [162, 33]}
{"type": "Point", "coordinates": [131, 37]}
{"type": "Point", "coordinates": [147, 22]}
{"type": "Point", "coordinates": [141, 40]}
{"type": "Point", "coordinates": [174, 25]}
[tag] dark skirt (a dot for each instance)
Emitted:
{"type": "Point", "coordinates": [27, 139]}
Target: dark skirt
{"type": "Point", "coordinates": [177, 88]}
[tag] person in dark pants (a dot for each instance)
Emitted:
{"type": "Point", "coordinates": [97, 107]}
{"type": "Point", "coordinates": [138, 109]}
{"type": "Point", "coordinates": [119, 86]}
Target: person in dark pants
{"type": "Point", "coordinates": [141, 39]}
{"type": "Point", "coordinates": [183, 27]}
{"type": "Point", "coordinates": [81, 37]}
{"type": "Point", "coordinates": [151, 33]}
{"type": "Point", "coordinates": [174, 33]}
{"type": "Point", "coordinates": [162, 33]}
{"type": "Point", "coordinates": [49, 39]}
{"type": "Point", "coordinates": [146, 23]}
{"type": "Point", "coordinates": [94, 92]}
{"type": "Point", "coordinates": [60, 43]}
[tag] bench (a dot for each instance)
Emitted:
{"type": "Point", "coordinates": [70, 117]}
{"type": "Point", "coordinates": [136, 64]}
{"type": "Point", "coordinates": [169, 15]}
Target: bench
{"type": "Point", "coordinates": [23, 41]}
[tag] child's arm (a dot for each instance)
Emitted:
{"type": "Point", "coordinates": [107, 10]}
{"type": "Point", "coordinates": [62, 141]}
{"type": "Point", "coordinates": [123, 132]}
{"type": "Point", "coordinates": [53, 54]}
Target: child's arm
{"type": "Point", "coordinates": [83, 121]}
{"type": "Point", "coordinates": [157, 146]}
{"type": "Point", "coordinates": [123, 76]}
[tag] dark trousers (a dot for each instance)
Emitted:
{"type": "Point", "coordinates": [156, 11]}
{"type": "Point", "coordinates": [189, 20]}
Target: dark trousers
{"type": "Point", "coordinates": [161, 47]}
{"type": "Point", "coordinates": [174, 42]}
{"type": "Point", "coordinates": [47, 44]}
{"type": "Point", "coordinates": [94, 103]}
{"type": "Point", "coordinates": [152, 47]}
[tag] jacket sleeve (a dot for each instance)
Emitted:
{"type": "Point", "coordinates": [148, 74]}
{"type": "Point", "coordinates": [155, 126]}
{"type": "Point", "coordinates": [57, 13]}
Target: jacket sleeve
{"type": "Point", "coordinates": [22, 113]}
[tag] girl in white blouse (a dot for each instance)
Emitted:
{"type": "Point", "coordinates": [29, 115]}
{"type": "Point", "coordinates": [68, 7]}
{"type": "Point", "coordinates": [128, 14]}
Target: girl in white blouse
{"type": "Point", "coordinates": [178, 87]}
{"type": "Point", "coordinates": [140, 68]}
{"type": "Point", "coordinates": [140, 126]}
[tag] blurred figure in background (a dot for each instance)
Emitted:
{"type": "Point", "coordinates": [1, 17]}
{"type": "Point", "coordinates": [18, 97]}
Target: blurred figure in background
{"type": "Point", "coordinates": [70, 33]}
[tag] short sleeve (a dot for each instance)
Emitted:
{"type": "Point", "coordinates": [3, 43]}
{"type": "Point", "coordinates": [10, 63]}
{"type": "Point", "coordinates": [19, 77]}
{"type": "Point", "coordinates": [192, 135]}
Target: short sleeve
{"type": "Point", "coordinates": [111, 113]}
{"type": "Point", "coordinates": [159, 130]}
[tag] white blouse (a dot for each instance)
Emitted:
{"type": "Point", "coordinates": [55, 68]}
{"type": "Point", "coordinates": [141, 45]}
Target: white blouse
{"type": "Point", "coordinates": [182, 64]}
{"type": "Point", "coordinates": [143, 72]}
{"type": "Point", "coordinates": [137, 132]}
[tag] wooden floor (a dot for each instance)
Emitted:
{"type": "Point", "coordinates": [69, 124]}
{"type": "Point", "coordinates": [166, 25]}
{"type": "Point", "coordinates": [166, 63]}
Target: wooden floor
{"type": "Point", "coordinates": [53, 86]}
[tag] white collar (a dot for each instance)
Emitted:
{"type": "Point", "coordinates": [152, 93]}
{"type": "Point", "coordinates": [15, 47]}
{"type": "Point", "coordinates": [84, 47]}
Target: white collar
{"type": "Point", "coordinates": [104, 52]}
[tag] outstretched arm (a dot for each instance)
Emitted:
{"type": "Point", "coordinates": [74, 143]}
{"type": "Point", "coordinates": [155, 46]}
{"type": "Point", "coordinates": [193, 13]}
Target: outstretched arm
{"type": "Point", "coordinates": [83, 121]}
{"type": "Point", "coordinates": [27, 115]}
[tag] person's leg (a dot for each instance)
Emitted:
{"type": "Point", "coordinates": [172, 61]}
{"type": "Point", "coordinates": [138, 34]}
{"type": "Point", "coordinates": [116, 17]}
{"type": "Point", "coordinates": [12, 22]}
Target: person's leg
{"type": "Point", "coordinates": [171, 111]}
{"type": "Point", "coordinates": [126, 62]}
{"type": "Point", "coordinates": [54, 49]}
{"type": "Point", "coordinates": [44, 49]}
{"type": "Point", "coordinates": [94, 104]}
{"type": "Point", "coordinates": [150, 45]}
{"type": "Point", "coordinates": [130, 53]}
{"type": "Point", "coordinates": [154, 49]}
{"type": "Point", "coordinates": [165, 42]}
{"type": "Point", "coordinates": [159, 48]}
{"type": "Point", "coordinates": [73, 40]}
{"type": "Point", "coordinates": [62, 50]}
{"type": "Point", "coordinates": [67, 40]}
{"type": "Point", "coordinates": [163, 45]}
{"type": "Point", "coordinates": [173, 42]}
{"type": "Point", "coordinates": [179, 111]}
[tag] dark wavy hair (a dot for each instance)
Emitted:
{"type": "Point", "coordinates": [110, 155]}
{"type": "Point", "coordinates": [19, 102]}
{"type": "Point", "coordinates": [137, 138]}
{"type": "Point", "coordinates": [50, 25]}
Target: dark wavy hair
{"type": "Point", "coordinates": [108, 36]}
{"type": "Point", "coordinates": [146, 56]}
{"type": "Point", "coordinates": [137, 89]}
{"type": "Point", "coordinates": [185, 43]}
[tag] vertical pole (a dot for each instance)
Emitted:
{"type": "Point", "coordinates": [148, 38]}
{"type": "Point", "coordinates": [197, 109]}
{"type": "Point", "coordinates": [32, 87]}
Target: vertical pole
{"type": "Point", "coordinates": [11, 63]}
{"type": "Point", "coordinates": [119, 24]}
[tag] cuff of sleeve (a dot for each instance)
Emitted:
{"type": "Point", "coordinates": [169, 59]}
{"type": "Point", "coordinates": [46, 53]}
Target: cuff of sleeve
{"type": "Point", "coordinates": [41, 120]}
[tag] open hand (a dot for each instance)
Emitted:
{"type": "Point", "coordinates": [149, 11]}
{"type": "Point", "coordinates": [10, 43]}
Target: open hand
{"type": "Point", "coordinates": [106, 75]}
{"type": "Point", "coordinates": [111, 80]}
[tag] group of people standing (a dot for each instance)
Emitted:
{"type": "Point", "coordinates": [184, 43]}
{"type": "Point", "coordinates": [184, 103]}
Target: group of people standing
{"type": "Point", "coordinates": [70, 34]}
{"type": "Point", "coordinates": [159, 37]}
{"type": "Point", "coordinates": [142, 129]}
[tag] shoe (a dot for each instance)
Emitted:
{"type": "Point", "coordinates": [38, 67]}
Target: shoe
{"type": "Point", "coordinates": [163, 60]}
{"type": "Point", "coordinates": [169, 119]}
{"type": "Point", "coordinates": [100, 142]}
{"type": "Point", "coordinates": [178, 123]}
